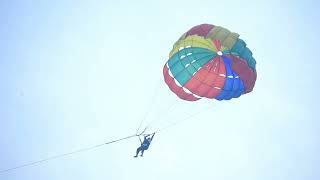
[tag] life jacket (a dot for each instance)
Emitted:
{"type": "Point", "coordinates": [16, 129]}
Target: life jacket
{"type": "Point", "coordinates": [146, 143]}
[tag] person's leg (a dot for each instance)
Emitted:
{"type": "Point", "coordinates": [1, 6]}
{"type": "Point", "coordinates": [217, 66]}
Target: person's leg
{"type": "Point", "coordinates": [142, 150]}
{"type": "Point", "coordinates": [138, 150]}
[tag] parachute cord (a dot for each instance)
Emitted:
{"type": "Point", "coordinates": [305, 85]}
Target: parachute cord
{"type": "Point", "coordinates": [174, 123]}
{"type": "Point", "coordinates": [162, 116]}
{"type": "Point", "coordinates": [178, 122]}
{"type": "Point", "coordinates": [66, 154]}
{"type": "Point", "coordinates": [151, 104]}
{"type": "Point", "coordinates": [183, 120]}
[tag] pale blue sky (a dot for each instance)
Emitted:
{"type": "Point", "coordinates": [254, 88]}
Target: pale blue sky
{"type": "Point", "coordinates": [79, 73]}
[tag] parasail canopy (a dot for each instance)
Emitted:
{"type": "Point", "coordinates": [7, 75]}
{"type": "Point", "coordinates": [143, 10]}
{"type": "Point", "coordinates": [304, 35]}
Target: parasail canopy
{"type": "Point", "coordinates": [210, 62]}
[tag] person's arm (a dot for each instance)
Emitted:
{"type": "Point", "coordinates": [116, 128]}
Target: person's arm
{"type": "Point", "coordinates": [152, 136]}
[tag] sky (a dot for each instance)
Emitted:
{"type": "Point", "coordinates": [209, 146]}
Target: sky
{"type": "Point", "coordinates": [79, 73]}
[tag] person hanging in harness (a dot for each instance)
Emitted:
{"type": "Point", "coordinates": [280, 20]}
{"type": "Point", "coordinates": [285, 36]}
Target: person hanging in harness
{"type": "Point", "coordinates": [145, 144]}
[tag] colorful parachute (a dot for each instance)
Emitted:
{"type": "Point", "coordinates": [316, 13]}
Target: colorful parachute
{"type": "Point", "coordinates": [212, 62]}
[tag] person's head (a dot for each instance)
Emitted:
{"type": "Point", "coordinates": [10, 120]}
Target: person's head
{"type": "Point", "coordinates": [149, 139]}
